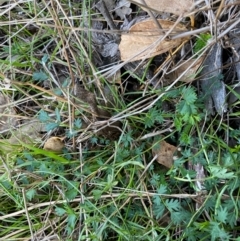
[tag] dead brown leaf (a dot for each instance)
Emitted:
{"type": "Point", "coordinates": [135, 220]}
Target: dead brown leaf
{"type": "Point", "coordinates": [143, 40]}
{"type": "Point", "coordinates": [190, 74]}
{"type": "Point", "coordinates": [177, 7]}
{"type": "Point", "coordinates": [165, 153]}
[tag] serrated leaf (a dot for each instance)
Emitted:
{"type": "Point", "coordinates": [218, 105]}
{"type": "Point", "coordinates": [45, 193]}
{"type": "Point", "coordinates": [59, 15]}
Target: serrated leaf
{"type": "Point", "coordinates": [51, 126]}
{"type": "Point", "coordinates": [60, 211]}
{"type": "Point", "coordinates": [222, 214]}
{"type": "Point", "coordinates": [157, 200]}
{"type": "Point", "coordinates": [232, 219]}
{"type": "Point", "coordinates": [40, 76]}
{"type": "Point", "coordinates": [158, 210]}
{"type": "Point", "coordinates": [72, 220]}
{"type": "Point", "coordinates": [172, 205]}
{"type": "Point", "coordinates": [201, 42]}
{"type": "Point", "coordinates": [97, 193]}
{"type": "Point", "coordinates": [30, 194]}
{"type": "Point", "coordinates": [221, 172]}
{"type": "Point", "coordinates": [217, 232]}
{"type": "Point", "coordinates": [189, 95]}
{"type": "Point", "coordinates": [43, 116]}
{"type": "Point", "coordinates": [71, 194]}
{"type": "Point", "coordinates": [176, 217]}
{"type": "Point", "coordinates": [78, 123]}
{"type": "Point", "coordinates": [162, 189]}
{"type": "Point", "coordinates": [94, 140]}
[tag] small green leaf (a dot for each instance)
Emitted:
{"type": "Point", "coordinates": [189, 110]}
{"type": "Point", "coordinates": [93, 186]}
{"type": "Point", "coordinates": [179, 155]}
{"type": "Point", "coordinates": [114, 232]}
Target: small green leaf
{"type": "Point", "coordinates": [58, 116]}
{"type": "Point", "coordinates": [162, 189]}
{"type": "Point", "coordinates": [78, 123]}
{"type": "Point", "coordinates": [51, 126]}
{"type": "Point", "coordinates": [60, 211]}
{"type": "Point", "coordinates": [217, 232]}
{"type": "Point", "coordinates": [157, 200]}
{"type": "Point", "coordinates": [221, 172]}
{"type": "Point", "coordinates": [222, 215]}
{"type": "Point", "coordinates": [158, 210]}
{"type": "Point", "coordinates": [155, 179]}
{"type": "Point", "coordinates": [97, 193]}
{"type": "Point", "coordinates": [40, 76]}
{"type": "Point", "coordinates": [72, 220]}
{"type": "Point", "coordinates": [189, 95]}
{"type": "Point", "coordinates": [43, 116]}
{"type": "Point", "coordinates": [172, 205]}
{"type": "Point", "coordinates": [94, 140]}
{"type": "Point", "coordinates": [201, 42]}
{"type": "Point", "coordinates": [30, 194]}
{"type": "Point", "coordinates": [44, 59]}
{"type": "Point", "coordinates": [127, 139]}
{"type": "Point", "coordinates": [71, 194]}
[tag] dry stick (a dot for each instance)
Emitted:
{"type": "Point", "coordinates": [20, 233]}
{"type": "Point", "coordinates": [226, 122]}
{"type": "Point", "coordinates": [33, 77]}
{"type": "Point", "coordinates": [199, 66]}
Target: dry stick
{"type": "Point", "coordinates": [101, 6]}
{"type": "Point", "coordinates": [156, 133]}
{"type": "Point", "coordinates": [217, 16]}
{"type": "Point", "coordinates": [151, 15]}
{"type": "Point", "coordinates": [173, 35]}
{"type": "Point", "coordinates": [27, 213]}
{"type": "Point", "coordinates": [79, 200]}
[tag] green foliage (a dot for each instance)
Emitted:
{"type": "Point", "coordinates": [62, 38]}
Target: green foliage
{"type": "Point", "coordinates": [222, 215]}
{"type": "Point", "coordinates": [162, 189]}
{"type": "Point", "coordinates": [153, 116]}
{"type": "Point", "coordinates": [172, 205]}
{"type": "Point", "coordinates": [40, 76]}
{"type": "Point", "coordinates": [50, 123]}
{"type": "Point", "coordinates": [127, 138]}
{"type": "Point", "coordinates": [218, 232]}
{"type": "Point", "coordinates": [201, 42]}
{"type": "Point", "coordinates": [44, 59]}
{"type": "Point", "coordinates": [187, 107]}
{"type": "Point", "coordinates": [60, 211]}
{"type": "Point", "coordinates": [30, 194]}
{"type": "Point", "coordinates": [221, 172]}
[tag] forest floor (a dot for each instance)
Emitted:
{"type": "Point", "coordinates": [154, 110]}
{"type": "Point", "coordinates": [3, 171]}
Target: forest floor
{"type": "Point", "coordinates": [119, 120]}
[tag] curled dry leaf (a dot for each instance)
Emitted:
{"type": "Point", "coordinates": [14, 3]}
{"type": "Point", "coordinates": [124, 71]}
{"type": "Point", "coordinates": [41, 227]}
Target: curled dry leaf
{"type": "Point", "coordinates": [144, 40]}
{"type": "Point", "coordinates": [54, 144]}
{"type": "Point", "coordinates": [174, 6]}
{"type": "Point", "coordinates": [165, 153]}
{"type": "Point", "coordinates": [189, 73]}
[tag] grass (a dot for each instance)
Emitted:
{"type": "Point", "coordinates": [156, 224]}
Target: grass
{"type": "Point", "coordinates": [101, 187]}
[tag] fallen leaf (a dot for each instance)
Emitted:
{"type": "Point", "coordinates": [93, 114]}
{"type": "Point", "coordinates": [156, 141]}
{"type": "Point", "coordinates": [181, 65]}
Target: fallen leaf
{"type": "Point", "coordinates": [174, 6]}
{"type": "Point", "coordinates": [54, 144]}
{"type": "Point", "coordinates": [189, 74]}
{"type": "Point", "coordinates": [165, 153]}
{"type": "Point", "coordinates": [143, 40]}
